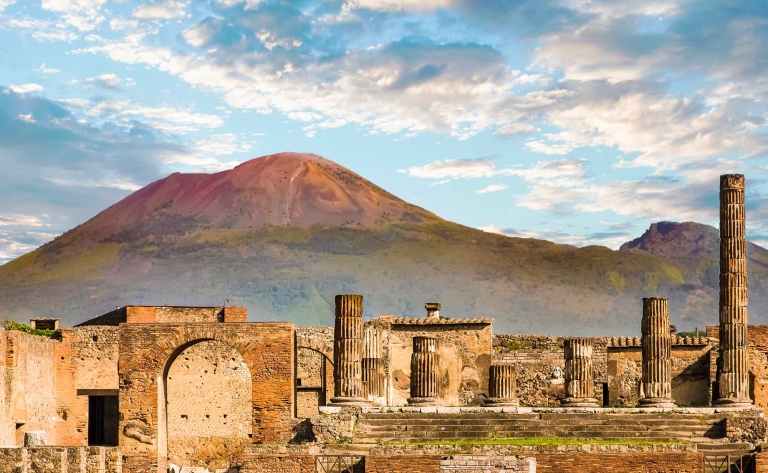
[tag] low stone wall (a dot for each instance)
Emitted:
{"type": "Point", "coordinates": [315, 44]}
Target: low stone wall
{"type": "Point", "coordinates": [632, 462]}
{"type": "Point", "coordinates": [403, 463]}
{"type": "Point", "coordinates": [288, 463]}
{"type": "Point", "coordinates": [60, 459]}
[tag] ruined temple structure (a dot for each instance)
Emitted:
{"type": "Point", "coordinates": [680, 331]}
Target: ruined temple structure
{"type": "Point", "coordinates": [157, 389]}
{"type": "Point", "coordinates": [656, 347]}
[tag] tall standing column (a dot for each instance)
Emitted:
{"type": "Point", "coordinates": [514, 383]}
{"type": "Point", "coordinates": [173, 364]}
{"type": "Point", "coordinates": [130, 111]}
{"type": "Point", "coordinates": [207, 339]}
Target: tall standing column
{"type": "Point", "coordinates": [579, 374]}
{"type": "Point", "coordinates": [347, 351]}
{"type": "Point", "coordinates": [733, 379]}
{"type": "Point", "coordinates": [657, 362]}
{"type": "Point", "coordinates": [502, 384]}
{"type": "Point", "coordinates": [424, 372]}
{"type": "Point", "coordinates": [373, 368]}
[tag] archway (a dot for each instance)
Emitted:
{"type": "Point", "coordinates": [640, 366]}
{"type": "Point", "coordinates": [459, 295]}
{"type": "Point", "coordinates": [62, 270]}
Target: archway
{"type": "Point", "coordinates": [208, 405]}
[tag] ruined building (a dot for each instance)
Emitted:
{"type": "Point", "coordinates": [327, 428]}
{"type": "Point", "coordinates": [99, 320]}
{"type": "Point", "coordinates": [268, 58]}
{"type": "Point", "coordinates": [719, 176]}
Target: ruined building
{"type": "Point", "coordinates": [186, 389]}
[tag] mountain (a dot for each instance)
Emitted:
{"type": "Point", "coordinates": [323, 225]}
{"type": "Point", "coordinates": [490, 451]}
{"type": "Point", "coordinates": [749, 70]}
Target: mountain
{"type": "Point", "coordinates": [283, 234]}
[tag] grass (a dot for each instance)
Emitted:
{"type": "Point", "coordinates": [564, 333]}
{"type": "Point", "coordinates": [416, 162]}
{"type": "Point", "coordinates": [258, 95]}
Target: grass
{"type": "Point", "coordinates": [538, 441]}
{"type": "Point", "coordinates": [11, 325]}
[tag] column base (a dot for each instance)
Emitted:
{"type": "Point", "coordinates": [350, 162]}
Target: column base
{"type": "Point", "coordinates": [424, 401]}
{"type": "Point", "coordinates": [501, 402]}
{"type": "Point", "coordinates": [734, 402]}
{"type": "Point", "coordinates": [662, 402]}
{"type": "Point", "coordinates": [579, 402]}
{"type": "Point", "coordinates": [348, 401]}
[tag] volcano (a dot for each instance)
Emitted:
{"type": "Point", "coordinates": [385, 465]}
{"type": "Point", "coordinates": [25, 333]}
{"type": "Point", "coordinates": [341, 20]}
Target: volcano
{"type": "Point", "coordinates": [282, 234]}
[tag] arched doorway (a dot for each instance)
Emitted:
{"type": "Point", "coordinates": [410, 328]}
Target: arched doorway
{"type": "Point", "coordinates": [208, 405]}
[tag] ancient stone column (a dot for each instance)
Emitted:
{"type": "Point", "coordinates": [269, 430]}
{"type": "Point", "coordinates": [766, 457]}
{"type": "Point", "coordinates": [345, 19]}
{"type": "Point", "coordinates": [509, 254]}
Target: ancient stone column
{"type": "Point", "coordinates": [502, 386]}
{"type": "Point", "coordinates": [424, 372]}
{"type": "Point", "coordinates": [579, 374]}
{"type": "Point", "coordinates": [657, 362]}
{"type": "Point", "coordinates": [373, 367]}
{"type": "Point", "coordinates": [347, 351]}
{"type": "Point", "coordinates": [733, 378]}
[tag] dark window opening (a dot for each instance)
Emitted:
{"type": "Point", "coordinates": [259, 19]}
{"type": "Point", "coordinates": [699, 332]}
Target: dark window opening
{"type": "Point", "coordinates": [102, 420]}
{"type": "Point", "coordinates": [606, 397]}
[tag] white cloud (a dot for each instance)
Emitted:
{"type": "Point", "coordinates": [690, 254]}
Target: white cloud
{"type": "Point", "coordinates": [492, 188]}
{"type": "Point", "coordinates": [401, 5]}
{"type": "Point", "coordinates": [515, 129]}
{"type": "Point", "coordinates": [104, 81]}
{"type": "Point", "coordinates": [21, 221]}
{"type": "Point", "coordinates": [26, 118]}
{"type": "Point", "coordinates": [47, 70]}
{"type": "Point", "coordinates": [610, 239]}
{"type": "Point", "coordinates": [454, 169]}
{"type": "Point", "coordinates": [84, 15]}
{"type": "Point", "coordinates": [26, 88]}
{"type": "Point", "coordinates": [202, 152]}
{"type": "Point", "coordinates": [107, 181]}
{"type": "Point", "coordinates": [55, 35]}
{"type": "Point", "coordinates": [199, 34]}
{"type": "Point", "coordinates": [121, 24]}
{"type": "Point", "coordinates": [165, 114]}
{"type": "Point", "coordinates": [5, 4]}
{"type": "Point", "coordinates": [160, 11]}
{"type": "Point", "coordinates": [15, 244]}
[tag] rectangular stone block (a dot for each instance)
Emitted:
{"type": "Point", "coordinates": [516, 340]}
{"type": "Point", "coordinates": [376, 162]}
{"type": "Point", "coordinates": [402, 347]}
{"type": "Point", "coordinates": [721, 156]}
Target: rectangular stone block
{"type": "Point", "coordinates": [733, 265]}
{"type": "Point", "coordinates": [733, 296]}
{"type": "Point", "coordinates": [733, 228]}
{"type": "Point", "coordinates": [733, 315]}
{"type": "Point", "coordinates": [731, 196]}
{"type": "Point", "coordinates": [733, 280]}
{"type": "Point", "coordinates": [733, 247]}
{"type": "Point", "coordinates": [731, 212]}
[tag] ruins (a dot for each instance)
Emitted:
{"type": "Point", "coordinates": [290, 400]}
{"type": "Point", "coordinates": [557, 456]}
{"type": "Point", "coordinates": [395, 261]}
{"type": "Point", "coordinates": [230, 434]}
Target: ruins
{"type": "Point", "coordinates": [146, 389]}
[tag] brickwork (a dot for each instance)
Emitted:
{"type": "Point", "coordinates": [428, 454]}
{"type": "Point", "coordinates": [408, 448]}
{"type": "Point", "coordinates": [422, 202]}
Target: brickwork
{"type": "Point", "coordinates": [86, 363]}
{"type": "Point", "coordinates": [292, 463]}
{"type": "Point", "coordinates": [145, 351]}
{"type": "Point", "coordinates": [403, 463]}
{"type": "Point", "coordinates": [152, 314]}
{"type": "Point", "coordinates": [314, 369]}
{"type": "Point", "coordinates": [625, 462]}
{"type": "Point", "coordinates": [60, 460]}
{"type": "Point", "coordinates": [209, 405]}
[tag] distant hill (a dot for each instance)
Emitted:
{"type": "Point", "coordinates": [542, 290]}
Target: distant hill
{"type": "Point", "coordinates": [283, 234]}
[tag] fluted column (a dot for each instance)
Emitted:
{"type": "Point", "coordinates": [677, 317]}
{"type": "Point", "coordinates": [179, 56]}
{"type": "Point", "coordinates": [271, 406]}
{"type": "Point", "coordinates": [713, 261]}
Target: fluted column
{"type": "Point", "coordinates": [373, 367]}
{"type": "Point", "coordinates": [502, 386]}
{"type": "Point", "coordinates": [733, 379]}
{"type": "Point", "coordinates": [579, 374]}
{"type": "Point", "coordinates": [424, 372]}
{"type": "Point", "coordinates": [657, 362]}
{"type": "Point", "coordinates": [347, 351]}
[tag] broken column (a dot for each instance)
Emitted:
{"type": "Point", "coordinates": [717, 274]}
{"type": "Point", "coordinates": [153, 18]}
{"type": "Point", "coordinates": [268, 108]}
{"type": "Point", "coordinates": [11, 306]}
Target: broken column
{"type": "Point", "coordinates": [502, 386]}
{"type": "Point", "coordinates": [733, 379]}
{"type": "Point", "coordinates": [657, 362]}
{"type": "Point", "coordinates": [433, 310]}
{"type": "Point", "coordinates": [424, 372]}
{"type": "Point", "coordinates": [347, 351]}
{"type": "Point", "coordinates": [373, 368]}
{"type": "Point", "coordinates": [579, 374]}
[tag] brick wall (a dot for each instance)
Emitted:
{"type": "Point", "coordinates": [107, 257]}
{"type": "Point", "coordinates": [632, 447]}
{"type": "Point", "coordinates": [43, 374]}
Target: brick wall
{"type": "Point", "coordinates": [403, 463]}
{"type": "Point", "coordinates": [60, 460]}
{"type": "Point", "coordinates": [86, 363]}
{"type": "Point", "coordinates": [145, 349]}
{"type": "Point", "coordinates": [625, 462]}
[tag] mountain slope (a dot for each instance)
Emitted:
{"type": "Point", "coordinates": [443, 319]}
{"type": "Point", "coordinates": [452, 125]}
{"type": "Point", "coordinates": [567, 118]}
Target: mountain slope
{"type": "Point", "coordinates": [283, 234]}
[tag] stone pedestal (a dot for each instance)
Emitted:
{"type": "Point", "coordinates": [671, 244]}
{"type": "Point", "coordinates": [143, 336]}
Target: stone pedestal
{"type": "Point", "coordinates": [733, 375]}
{"type": "Point", "coordinates": [35, 438]}
{"type": "Point", "coordinates": [657, 362]}
{"type": "Point", "coordinates": [502, 386]}
{"type": "Point", "coordinates": [579, 374]}
{"type": "Point", "coordinates": [424, 372]}
{"type": "Point", "coordinates": [347, 351]}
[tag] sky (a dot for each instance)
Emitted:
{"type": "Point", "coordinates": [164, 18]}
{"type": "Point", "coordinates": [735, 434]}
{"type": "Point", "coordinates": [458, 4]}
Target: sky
{"type": "Point", "coordinates": [577, 121]}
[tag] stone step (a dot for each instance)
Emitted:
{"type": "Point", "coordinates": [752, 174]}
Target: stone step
{"type": "Point", "coordinates": [460, 422]}
{"type": "Point", "coordinates": [543, 429]}
{"type": "Point", "coordinates": [723, 448]}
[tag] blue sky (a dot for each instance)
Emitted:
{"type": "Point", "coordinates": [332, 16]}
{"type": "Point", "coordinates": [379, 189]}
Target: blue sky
{"type": "Point", "coordinates": [578, 121]}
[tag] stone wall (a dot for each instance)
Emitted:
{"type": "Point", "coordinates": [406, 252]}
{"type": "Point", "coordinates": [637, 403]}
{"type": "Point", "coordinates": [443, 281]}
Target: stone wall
{"type": "Point", "coordinates": [209, 405]}
{"type": "Point", "coordinates": [86, 364]}
{"type": "Point", "coordinates": [685, 462]}
{"type": "Point", "coordinates": [146, 350]}
{"type": "Point", "coordinates": [288, 463]}
{"type": "Point", "coordinates": [464, 347]}
{"type": "Point", "coordinates": [403, 463]}
{"type": "Point", "coordinates": [29, 399]}
{"type": "Point", "coordinates": [314, 369]}
{"type": "Point", "coordinates": [152, 314]}
{"type": "Point", "coordinates": [758, 364]}
{"type": "Point", "coordinates": [691, 384]}
{"type": "Point", "coordinates": [60, 460]}
{"type": "Point", "coordinates": [537, 358]}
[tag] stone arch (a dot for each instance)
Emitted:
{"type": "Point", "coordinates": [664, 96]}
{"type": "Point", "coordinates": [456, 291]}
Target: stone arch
{"type": "Point", "coordinates": [206, 415]}
{"type": "Point", "coordinates": [317, 388]}
{"type": "Point", "coordinates": [146, 352]}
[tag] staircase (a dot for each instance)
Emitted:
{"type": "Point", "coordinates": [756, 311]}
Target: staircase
{"type": "Point", "coordinates": [706, 430]}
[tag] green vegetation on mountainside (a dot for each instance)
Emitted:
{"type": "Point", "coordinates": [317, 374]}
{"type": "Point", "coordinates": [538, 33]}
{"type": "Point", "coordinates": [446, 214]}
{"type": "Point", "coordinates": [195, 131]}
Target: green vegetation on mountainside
{"type": "Point", "coordinates": [292, 274]}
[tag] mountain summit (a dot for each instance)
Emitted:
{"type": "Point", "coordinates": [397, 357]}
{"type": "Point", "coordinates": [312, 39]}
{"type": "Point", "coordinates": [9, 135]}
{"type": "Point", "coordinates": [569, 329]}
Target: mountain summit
{"type": "Point", "coordinates": [283, 234]}
{"type": "Point", "coordinates": [285, 189]}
